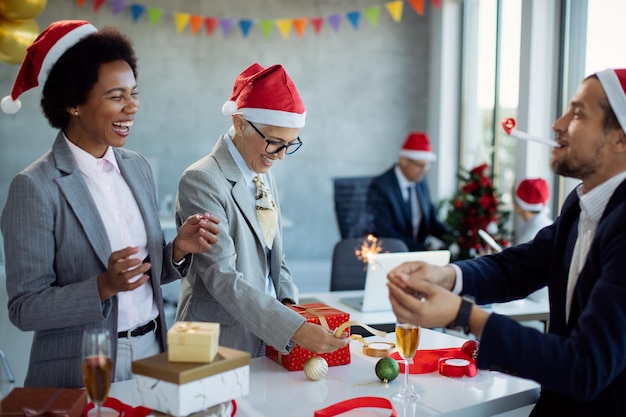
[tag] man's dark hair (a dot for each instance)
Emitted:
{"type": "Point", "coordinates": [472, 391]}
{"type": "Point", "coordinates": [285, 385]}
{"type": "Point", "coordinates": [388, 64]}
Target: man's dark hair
{"type": "Point", "coordinates": [76, 72]}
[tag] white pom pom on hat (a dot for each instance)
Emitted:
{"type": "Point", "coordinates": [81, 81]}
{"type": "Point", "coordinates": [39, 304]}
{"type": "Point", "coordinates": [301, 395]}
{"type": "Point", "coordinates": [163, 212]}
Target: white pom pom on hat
{"type": "Point", "coordinates": [416, 146]}
{"type": "Point", "coordinates": [41, 56]}
{"type": "Point", "coordinates": [267, 96]}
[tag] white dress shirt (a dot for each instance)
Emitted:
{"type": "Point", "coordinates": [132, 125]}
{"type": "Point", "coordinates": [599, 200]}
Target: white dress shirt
{"type": "Point", "coordinates": [124, 225]}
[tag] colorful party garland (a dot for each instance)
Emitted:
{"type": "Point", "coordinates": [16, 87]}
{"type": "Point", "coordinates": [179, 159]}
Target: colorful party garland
{"type": "Point", "coordinates": [182, 20]}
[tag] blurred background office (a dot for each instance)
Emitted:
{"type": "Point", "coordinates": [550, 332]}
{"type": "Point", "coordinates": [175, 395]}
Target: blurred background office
{"type": "Point", "coordinates": [368, 71]}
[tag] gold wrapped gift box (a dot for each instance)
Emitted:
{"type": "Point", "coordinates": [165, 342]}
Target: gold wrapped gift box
{"type": "Point", "coordinates": [190, 341]}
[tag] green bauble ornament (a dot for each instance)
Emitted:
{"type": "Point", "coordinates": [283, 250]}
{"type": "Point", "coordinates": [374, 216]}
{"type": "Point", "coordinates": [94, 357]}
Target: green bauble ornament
{"type": "Point", "coordinates": [387, 369]}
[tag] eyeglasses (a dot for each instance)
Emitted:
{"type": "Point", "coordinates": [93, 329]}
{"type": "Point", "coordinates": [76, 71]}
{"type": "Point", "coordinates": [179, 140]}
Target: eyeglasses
{"type": "Point", "coordinates": [275, 146]}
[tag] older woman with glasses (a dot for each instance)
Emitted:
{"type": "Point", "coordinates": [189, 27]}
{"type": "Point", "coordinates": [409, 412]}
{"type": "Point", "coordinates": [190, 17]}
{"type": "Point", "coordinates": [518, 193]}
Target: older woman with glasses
{"type": "Point", "coordinates": [243, 282]}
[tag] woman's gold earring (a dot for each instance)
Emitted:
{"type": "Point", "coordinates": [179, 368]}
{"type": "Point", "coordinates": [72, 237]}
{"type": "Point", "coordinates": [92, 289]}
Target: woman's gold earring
{"type": "Point", "coordinates": [75, 112]}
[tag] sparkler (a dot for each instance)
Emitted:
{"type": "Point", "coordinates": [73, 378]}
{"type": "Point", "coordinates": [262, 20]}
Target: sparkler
{"type": "Point", "coordinates": [509, 127]}
{"type": "Point", "coordinates": [369, 249]}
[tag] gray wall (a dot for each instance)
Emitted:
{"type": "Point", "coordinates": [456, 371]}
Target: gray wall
{"type": "Point", "coordinates": [363, 89]}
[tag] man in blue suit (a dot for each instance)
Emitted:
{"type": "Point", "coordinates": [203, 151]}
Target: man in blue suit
{"type": "Point", "coordinates": [399, 199]}
{"type": "Point", "coordinates": [580, 363]}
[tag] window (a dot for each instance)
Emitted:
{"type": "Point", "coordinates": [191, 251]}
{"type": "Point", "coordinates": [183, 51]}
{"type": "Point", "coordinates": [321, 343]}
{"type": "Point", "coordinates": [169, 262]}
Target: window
{"type": "Point", "coordinates": [490, 86]}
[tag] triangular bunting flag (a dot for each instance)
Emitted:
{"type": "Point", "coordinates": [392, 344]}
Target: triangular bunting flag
{"type": "Point", "coordinates": [80, 2]}
{"type": "Point", "coordinates": [354, 17]}
{"type": "Point", "coordinates": [299, 25]}
{"type": "Point", "coordinates": [97, 4]}
{"type": "Point", "coordinates": [154, 15]}
{"type": "Point", "coordinates": [210, 23]}
{"type": "Point", "coordinates": [437, 3]}
{"type": "Point", "coordinates": [226, 25]}
{"type": "Point", "coordinates": [136, 11]}
{"type": "Point", "coordinates": [181, 20]}
{"type": "Point", "coordinates": [195, 22]}
{"type": "Point", "coordinates": [316, 22]}
{"type": "Point", "coordinates": [284, 27]}
{"type": "Point", "coordinates": [335, 21]}
{"type": "Point", "coordinates": [245, 25]}
{"type": "Point", "coordinates": [117, 6]}
{"type": "Point", "coordinates": [418, 6]}
{"type": "Point", "coordinates": [395, 9]}
{"type": "Point", "coordinates": [372, 14]}
{"type": "Point", "coordinates": [266, 26]}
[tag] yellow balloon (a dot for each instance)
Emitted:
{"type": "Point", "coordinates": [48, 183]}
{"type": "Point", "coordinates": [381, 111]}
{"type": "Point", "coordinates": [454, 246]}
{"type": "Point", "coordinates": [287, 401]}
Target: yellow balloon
{"type": "Point", "coordinates": [21, 9]}
{"type": "Point", "coordinates": [15, 37]}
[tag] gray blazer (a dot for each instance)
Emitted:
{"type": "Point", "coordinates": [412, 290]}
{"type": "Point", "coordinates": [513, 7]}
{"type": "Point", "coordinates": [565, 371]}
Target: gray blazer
{"type": "Point", "coordinates": [227, 284]}
{"type": "Point", "coordinates": [56, 245]}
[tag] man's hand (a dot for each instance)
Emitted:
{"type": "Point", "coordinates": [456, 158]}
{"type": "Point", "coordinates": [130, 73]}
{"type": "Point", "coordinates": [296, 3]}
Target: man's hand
{"type": "Point", "coordinates": [443, 276]}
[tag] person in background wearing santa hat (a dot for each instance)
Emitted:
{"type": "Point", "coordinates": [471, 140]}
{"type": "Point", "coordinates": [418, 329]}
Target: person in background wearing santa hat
{"type": "Point", "coordinates": [399, 201]}
{"type": "Point", "coordinates": [529, 202]}
{"type": "Point", "coordinates": [244, 282]}
{"type": "Point", "coordinates": [83, 243]}
{"type": "Point", "coordinates": [580, 361]}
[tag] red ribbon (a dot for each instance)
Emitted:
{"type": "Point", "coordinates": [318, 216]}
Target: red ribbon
{"type": "Point", "coordinates": [358, 402]}
{"type": "Point", "coordinates": [430, 360]}
{"type": "Point", "coordinates": [457, 368]}
{"type": "Point", "coordinates": [129, 411]}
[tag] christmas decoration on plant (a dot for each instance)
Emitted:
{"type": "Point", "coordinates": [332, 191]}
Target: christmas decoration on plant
{"type": "Point", "coordinates": [476, 205]}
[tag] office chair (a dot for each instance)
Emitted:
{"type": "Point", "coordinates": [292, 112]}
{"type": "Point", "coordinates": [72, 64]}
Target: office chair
{"type": "Point", "coordinates": [348, 271]}
{"type": "Point", "coordinates": [350, 196]}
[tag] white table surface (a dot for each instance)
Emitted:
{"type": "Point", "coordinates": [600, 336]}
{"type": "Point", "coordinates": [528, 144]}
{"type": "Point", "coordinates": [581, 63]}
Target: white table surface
{"type": "Point", "coordinates": [275, 391]}
{"type": "Point", "coordinates": [521, 310]}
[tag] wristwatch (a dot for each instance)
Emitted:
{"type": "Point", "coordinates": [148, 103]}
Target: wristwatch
{"type": "Point", "coordinates": [461, 322]}
{"type": "Point", "coordinates": [180, 265]}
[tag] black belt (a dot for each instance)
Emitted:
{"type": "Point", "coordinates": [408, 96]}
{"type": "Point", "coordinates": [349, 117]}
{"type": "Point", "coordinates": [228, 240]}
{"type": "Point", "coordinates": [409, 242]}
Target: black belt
{"type": "Point", "coordinates": [139, 331]}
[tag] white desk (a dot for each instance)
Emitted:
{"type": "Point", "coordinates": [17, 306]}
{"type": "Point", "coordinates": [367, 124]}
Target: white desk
{"type": "Point", "coordinates": [520, 310]}
{"type": "Point", "coordinates": [274, 391]}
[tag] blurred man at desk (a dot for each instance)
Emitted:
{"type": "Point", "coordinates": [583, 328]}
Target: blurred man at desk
{"type": "Point", "coordinates": [399, 199]}
{"type": "Point", "coordinates": [580, 362]}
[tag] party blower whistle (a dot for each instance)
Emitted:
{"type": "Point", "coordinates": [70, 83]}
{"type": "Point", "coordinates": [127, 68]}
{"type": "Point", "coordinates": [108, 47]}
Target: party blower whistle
{"type": "Point", "coordinates": [509, 127]}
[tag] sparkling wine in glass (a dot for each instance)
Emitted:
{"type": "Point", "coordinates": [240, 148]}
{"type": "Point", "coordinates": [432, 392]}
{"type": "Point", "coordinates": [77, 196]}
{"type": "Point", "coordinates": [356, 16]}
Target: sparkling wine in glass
{"type": "Point", "coordinates": [407, 339]}
{"type": "Point", "coordinates": [97, 366]}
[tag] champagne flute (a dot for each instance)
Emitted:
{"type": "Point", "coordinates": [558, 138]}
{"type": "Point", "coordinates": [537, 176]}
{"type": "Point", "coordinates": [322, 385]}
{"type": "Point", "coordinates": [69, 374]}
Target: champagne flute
{"type": "Point", "coordinates": [97, 366]}
{"type": "Point", "coordinates": [407, 339]}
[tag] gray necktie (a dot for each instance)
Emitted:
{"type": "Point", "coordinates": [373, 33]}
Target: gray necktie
{"type": "Point", "coordinates": [266, 211]}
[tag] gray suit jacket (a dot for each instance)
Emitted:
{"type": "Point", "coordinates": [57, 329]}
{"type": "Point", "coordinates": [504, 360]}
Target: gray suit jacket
{"type": "Point", "coordinates": [227, 284]}
{"type": "Point", "coordinates": [56, 245]}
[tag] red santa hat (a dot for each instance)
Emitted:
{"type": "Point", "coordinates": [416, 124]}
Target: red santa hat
{"type": "Point", "coordinates": [267, 96]}
{"type": "Point", "coordinates": [614, 83]}
{"type": "Point", "coordinates": [417, 147]}
{"type": "Point", "coordinates": [532, 194]}
{"type": "Point", "coordinates": [42, 55]}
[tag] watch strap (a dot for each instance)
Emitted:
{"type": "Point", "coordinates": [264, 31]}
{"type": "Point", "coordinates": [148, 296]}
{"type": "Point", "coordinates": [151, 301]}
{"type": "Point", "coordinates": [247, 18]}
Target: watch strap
{"type": "Point", "coordinates": [461, 322]}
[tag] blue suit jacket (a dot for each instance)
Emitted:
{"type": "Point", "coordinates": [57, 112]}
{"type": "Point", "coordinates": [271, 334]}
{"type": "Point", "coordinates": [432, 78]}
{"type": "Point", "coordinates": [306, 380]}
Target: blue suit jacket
{"type": "Point", "coordinates": [390, 214]}
{"type": "Point", "coordinates": [580, 363]}
{"type": "Point", "coordinates": [56, 245]}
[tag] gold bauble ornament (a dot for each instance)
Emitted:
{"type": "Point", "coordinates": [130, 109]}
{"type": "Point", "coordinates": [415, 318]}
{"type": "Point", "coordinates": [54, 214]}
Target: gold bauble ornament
{"type": "Point", "coordinates": [315, 368]}
{"type": "Point", "coordinates": [15, 37]}
{"type": "Point", "coordinates": [21, 9]}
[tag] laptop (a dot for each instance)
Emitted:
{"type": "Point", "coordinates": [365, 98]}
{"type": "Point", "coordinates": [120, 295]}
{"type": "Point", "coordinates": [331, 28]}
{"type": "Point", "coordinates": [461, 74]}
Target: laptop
{"type": "Point", "coordinates": [375, 296]}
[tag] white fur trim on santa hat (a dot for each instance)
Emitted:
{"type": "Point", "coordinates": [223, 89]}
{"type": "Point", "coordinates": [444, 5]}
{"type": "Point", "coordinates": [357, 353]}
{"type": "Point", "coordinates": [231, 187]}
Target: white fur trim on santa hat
{"type": "Point", "coordinates": [66, 42]}
{"type": "Point", "coordinates": [529, 207]}
{"type": "Point", "coordinates": [273, 117]}
{"type": "Point", "coordinates": [615, 93]}
{"type": "Point", "coordinates": [9, 105]}
{"type": "Point", "coordinates": [418, 155]}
